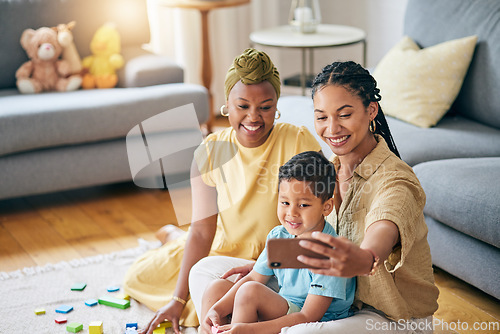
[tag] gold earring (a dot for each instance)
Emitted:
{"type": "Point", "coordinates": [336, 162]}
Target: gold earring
{"type": "Point", "coordinates": [278, 114]}
{"type": "Point", "coordinates": [373, 126]}
{"type": "Point", "coordinates": [222, 111]}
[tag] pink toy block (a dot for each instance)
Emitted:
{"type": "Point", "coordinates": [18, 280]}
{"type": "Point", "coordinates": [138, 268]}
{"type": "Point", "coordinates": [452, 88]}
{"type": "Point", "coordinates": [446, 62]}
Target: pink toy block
{"type": "Point", "coordinates": [60, 320]}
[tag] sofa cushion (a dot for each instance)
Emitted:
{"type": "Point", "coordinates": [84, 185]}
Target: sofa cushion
{"type": "Point", "coordinates": [37, 121]}
{"type": "Point", "coordinates": [474, 261]}
{"type": "Point", "coordinates": [18, 15]}
{"type": "Point", "coordinates": [454, 137]}
{"type": "Point", "coordinates": [461, 194]}
{"type": "Point", "coordinates": [419, 85]}
{"type": "Point", "coordinates": [430, 22]}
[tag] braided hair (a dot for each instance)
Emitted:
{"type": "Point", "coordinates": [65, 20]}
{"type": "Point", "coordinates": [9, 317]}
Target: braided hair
{"type": "Point", "coordinates": [360, 82]}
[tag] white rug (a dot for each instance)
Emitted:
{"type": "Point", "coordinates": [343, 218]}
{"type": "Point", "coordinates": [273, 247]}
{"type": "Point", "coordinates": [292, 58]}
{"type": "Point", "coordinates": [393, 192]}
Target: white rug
{"type": "Point", "coordinates": [48, 287]}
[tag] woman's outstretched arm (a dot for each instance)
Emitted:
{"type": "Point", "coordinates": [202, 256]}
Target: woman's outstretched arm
{"type": "Point", "coordinates": [199, 241]}
{"type": "Point", "coordinates": [345, 259]}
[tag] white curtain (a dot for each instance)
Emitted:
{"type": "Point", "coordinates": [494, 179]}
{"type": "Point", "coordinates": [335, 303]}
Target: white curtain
{"type": "Point", "coordinates": [176, 32]}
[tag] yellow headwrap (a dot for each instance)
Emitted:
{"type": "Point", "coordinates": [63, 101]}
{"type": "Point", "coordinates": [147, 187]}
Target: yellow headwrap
{"type": "Point", "coordinates": [252, 67]}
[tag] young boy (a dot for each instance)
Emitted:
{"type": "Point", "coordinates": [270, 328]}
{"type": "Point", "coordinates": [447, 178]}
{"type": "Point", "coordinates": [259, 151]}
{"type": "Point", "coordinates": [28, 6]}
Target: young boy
{"type": "Point", "coordinates": [306, 185]}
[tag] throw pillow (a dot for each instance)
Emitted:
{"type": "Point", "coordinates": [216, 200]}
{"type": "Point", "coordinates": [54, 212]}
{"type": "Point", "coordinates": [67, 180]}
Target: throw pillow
{"type": "Point", "coordinates": [419, 85]}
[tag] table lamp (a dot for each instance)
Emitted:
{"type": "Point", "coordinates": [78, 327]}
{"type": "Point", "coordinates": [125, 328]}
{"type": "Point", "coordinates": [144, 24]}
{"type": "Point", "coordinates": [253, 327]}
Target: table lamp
{"type": "Point", "coordinates": [305, 16]}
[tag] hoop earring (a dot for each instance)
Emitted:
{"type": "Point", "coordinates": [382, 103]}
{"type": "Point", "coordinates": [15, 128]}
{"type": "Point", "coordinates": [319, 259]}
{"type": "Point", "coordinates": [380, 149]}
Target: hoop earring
{"type": "Point", "coordinates": [222, 110]}
{"type": "Point", "coordinates": [278, 114]}
{"type": "Point", "coordinates": [373, 126]}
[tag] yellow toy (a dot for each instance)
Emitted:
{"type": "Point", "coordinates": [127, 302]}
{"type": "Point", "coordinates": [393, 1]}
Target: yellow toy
{"type": "Point", "coordinates": [106, 59]}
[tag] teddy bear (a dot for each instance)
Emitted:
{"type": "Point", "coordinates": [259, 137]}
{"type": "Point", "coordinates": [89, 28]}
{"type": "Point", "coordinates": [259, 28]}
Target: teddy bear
{"type": "Point", "coordinates": [105, 59]}
{"type": "Point", "coordinates": [44, 71]}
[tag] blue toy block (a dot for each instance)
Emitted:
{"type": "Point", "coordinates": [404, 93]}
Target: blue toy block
{"type": "Point", "coordinates": [91, 302]}
{"type": "Point", "coordinates": [64, 309]}
{"type": "Point", "coordinates": [131, 331]}
{"type": "Point", "coordinates": [113, 288]}
{"type": "Point", "coordinates": [131, 325]}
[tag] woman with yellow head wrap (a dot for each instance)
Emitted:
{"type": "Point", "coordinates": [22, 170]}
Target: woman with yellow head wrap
{"type": "Point", "coordinates": [234, 199]}
{"type": "Point", "coordinates": [252, 67]}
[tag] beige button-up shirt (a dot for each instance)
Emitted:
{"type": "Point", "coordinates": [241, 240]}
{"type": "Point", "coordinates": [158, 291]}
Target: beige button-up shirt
{"type": "Point", "coordinates": [386, 188]}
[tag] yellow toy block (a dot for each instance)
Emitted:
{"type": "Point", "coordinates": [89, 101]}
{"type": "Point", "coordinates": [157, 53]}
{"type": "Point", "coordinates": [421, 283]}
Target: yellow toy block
{"type": "Point", "coordinates": [39, 311]}
{"type": "Point", "coordinates": [123, 295]}
{"type": "Point", "coordinates": [161, 327]}
{"type": "Point", "coordinates": [95, 327]}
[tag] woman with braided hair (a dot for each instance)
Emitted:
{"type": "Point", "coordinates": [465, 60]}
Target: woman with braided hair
{"type": "Point", "coordinates": [233, 185]}
{"type": "Point", "coordinates": [378, 213]}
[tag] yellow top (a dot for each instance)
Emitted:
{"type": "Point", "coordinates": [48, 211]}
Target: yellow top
{"type": "Point", "coordinates": [247, 185]}
{"type": "Point", "coordinates": [247, 198]}
{"type": "Point", "coordinates": [385, 188]}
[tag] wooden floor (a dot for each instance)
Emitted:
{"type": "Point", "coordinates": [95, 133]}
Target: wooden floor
{"type": "Point", "coordinates": [50, 228]}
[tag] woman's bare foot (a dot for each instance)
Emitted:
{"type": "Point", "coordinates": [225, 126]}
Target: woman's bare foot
{"type": "Point", "coordinates": [168, 233]}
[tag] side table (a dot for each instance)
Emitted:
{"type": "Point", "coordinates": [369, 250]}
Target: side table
{"type": "Point", "coordinates": [327, 35]}
{"type": "Point", "coordinates": [204, 7]}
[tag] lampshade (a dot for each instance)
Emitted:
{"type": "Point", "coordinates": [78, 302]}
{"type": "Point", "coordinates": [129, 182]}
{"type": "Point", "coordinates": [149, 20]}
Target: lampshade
{"type": "Point", "coordinates": [305, 16]}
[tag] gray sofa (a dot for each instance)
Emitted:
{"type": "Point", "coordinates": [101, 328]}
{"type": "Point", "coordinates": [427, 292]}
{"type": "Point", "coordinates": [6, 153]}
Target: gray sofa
{"type": "Point", "coordinates": [458, 160]}
{"type": "Point", "coordinates": [63, 140]}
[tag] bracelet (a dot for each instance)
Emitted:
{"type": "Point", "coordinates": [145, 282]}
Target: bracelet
{"type": "Point", "coordinates": [179, 299]}
{"type": "Point", "coordinates": [375, 264]}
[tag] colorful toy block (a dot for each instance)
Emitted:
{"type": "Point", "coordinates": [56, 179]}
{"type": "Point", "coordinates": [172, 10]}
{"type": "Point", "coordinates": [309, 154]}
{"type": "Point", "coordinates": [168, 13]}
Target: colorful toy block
{"type": "Point", "coordinates": [162, 327]}
{"type": "Point", "coordinates": [131, 331]}
{"type": "Point", "coordinates": [114, 302]}
{"type": "Point", "coordinates": [91, 302]}
{"type": "Point", "coordinates": [78, 286]}
{"type": "Point", "coordinates": [131, 325]}
{"type": "Point", "coordinates": [122, 295]}
{"type": "Point", "coordinates": [95, 327]}
{"type": "Point", "coordinates": [64, 309]}
{"type": "Point", "coordinates": [113, 288]}
{"type": "Point", "coordinates": [60, 320]}
{"type": "Point", "coordinates": [74, 327]}
{"type": "Point", "coordinates": [39, 311]}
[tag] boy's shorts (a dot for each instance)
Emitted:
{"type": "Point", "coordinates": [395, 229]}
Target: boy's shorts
{"type": "Point", "coordinates": [292, 308]}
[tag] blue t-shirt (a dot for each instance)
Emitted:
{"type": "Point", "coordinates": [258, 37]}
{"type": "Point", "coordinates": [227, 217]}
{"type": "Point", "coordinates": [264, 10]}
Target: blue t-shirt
{"type": "Point", "coordinates": [296, 284]}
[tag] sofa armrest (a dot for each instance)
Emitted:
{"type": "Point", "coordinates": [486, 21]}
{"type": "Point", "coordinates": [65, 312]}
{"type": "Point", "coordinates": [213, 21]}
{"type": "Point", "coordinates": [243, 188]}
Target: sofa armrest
{"type": "Point", "coordinates": [143, 69]}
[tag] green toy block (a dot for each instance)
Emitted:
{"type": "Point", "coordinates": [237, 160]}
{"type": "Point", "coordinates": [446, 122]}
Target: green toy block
{"type": "Point", "coordinates": [78, 286]}
{"type": "Point", "coordinates": [74, 327]}
{"type": "Point", "coordinates": [114, 302]}
{"type": "Point", "coordinates": [95, 327]}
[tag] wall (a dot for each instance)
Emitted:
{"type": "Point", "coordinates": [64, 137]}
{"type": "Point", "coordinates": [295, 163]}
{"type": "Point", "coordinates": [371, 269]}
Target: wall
{"type": "Point", "coordinates": [176, 33]}
{"type": "Point", "coordinates": [382, 20]}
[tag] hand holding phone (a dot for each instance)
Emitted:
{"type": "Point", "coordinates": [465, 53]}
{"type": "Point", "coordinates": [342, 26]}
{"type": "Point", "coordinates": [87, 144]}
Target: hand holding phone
{"type": "Point", "coordinates": [282, 253]}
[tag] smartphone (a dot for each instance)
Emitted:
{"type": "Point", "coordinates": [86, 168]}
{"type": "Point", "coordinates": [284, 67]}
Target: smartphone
{"type": "Point", "coordinates": [282, 253]}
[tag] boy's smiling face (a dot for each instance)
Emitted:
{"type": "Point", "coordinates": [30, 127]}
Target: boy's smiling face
{"type": "Point", "coordinates": [299, 211]}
